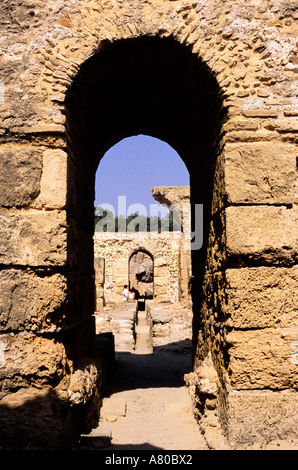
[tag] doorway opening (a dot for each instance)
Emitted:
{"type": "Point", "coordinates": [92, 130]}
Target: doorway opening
{"type": "Point", "coordinates": [151, 86]}
{"type": "Point", "coordinates": [141, 274]}
{"type": "Point", "coordinates": [137, 182]}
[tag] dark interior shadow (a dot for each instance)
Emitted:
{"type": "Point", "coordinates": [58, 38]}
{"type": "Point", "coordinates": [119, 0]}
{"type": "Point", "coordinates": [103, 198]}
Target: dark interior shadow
{"type": "Point", "coordinates": [42, 422]}
{"type": "Point", "coordinates": [164, 368]}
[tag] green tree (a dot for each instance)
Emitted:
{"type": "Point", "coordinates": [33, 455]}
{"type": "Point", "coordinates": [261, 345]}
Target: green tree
{"type": "Point", "coordinates": [104, 220]}
{"type": "Point", "coordinates": [136, 223]}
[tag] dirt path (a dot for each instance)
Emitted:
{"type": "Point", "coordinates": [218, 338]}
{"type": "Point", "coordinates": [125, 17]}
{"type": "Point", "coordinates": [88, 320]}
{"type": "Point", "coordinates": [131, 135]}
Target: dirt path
{"type": "Point", "coordinates": [148, 406]}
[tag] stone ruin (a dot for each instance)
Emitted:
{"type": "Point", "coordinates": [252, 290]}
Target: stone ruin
{"type": "Point", "coordinates": [218, 82]}
{"type": "Point", "coordinates": [157, 265]}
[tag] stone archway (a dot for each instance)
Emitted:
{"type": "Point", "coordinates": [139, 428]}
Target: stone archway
{"type": "Point", "coordinates": [82, 78]}
{"type": "Point", "coordinates": [141, 274]}
{"type": "Point", "coordinates": [154, 86]}
{"type": "Point", "coordinates": [149, 85]}
{"type": "Point", "coordinates": [165, 91]}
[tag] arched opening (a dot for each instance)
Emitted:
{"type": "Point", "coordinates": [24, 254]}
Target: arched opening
{"type": "Point", "coordinates": [140, 184]}
{"type": "Point", "coordinates": [130, 169]}
{"type": "Point", "coordinates": [156, 87]}
{"type": "Point", "coordinates": [147, 85]}
{"type": "Point", "coordinates": [141, 274]}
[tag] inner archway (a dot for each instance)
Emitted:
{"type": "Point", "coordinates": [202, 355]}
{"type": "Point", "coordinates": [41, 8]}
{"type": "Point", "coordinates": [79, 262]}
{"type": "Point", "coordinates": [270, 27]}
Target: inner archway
{"type": "Point", "coordinates": [140, 184]}
{"type": "Point", "coordinates": [141, 274]}
{"type": "Point", "coordinates": [130, 169]}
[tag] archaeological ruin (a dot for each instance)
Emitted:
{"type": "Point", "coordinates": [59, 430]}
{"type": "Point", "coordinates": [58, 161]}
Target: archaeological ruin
{"type": "Point", "coordinates": [217, 81]}
{"type": "Point", "coordinates": [157, 265]}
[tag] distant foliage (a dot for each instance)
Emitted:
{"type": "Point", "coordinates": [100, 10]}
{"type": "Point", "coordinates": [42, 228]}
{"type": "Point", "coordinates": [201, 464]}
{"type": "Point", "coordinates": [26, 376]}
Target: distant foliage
{"type": "Point", "coordinates": [105, 221]}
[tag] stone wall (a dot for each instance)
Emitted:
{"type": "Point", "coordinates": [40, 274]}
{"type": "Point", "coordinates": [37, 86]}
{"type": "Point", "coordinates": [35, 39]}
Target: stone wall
{"type": "Point", "coordinates": [117, 248]}
{"type": "Point", "coordinates": [177, 199]}
{"type": "Point", "coordinates": [217, 81]}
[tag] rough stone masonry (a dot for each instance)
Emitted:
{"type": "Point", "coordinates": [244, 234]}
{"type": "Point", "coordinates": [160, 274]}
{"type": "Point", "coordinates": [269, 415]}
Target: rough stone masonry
{"type": "Point", "coordinates": [218, 82]}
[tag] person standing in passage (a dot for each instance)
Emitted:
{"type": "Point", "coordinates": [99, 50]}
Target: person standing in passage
{"type": "Point", "coordinates": [132, 294]}
{"type": "Point", "coordinates": [125, 294]}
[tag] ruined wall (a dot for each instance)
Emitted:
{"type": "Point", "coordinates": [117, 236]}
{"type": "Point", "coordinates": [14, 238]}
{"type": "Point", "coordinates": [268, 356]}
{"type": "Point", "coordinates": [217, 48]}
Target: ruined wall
{"type": "Point", "coordinates": [170, 252]}
{"type": "Point", "coordinates": [117, 248]}
{"type": "Point", "coordinates": [250, 252]}
{"type": "Point", "coordinates": [99, 271]}
{"type": "Point", "coordinates": [177, 199]}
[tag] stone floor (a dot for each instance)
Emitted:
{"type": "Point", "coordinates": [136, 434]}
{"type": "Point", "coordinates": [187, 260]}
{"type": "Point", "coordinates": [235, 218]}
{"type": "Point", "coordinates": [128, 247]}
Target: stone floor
{"type": "Point", "coordinates": [146, 404]}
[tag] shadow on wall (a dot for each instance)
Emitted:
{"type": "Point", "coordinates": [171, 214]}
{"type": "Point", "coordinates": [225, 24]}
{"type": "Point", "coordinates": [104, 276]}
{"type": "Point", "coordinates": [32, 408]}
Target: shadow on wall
{"type": "Point", "coordinates": [43, 420]}
{"type": "Point", "coordinates": [31, 422]}
{"type": "Point", "coordinates": [50, 418]}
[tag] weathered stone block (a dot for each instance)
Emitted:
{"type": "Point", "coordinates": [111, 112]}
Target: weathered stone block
{"type": "Point", "coordinates": [160, 282]}
{"type": "Point", "coordinates": [265, 232]}
{"type": "Point", "coordinates": [30, 409]}
{"type": "Point", "coordinates": [36, 419]}
{"type": "Point", "coordinates": [160, 288]}
{"type": "Point", "coordinates": [33, 238]}
{"type": "Point", "coordinates": [160, 297]}
{"type": "Point", "coordinates": [28, 358]}
{"type": "Point", "coordinates": [284, 125]}
{"type": "Point", "coordinates": [99, 267]}
{"type": "Point", "coordinates": [262, 297]}
{"type": "Point", "coordinates": [160, 272]}
{"type": "Point", "coordinates": [20, 173]}
{"type": "Point", "coordinates": [260, 113]}
{"type": "Point", "coordinates": [99, 304]}
{"type": "Point", "coordinates": [122, 268]}
{"type": "Point", "coordinates": [99, 290]}
{"type": "Point", "coordinates": [260, 416]}
{"type": "Point", "coordinates": [261, 172]}
{"type": "Point", "coordinates": [160, 262]}
{"type": "Point", "coordinates": [53, 189]}
{"type": "Point", "coordinates": [263, 359]}
{"type": "Point", "coordinates": [31, 301]}
{"type": "Point", "coordinates": [120, 283]}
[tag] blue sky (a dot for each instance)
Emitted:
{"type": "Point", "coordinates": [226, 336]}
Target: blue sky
{"type": "Point", "coordinates": [132, 167]}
